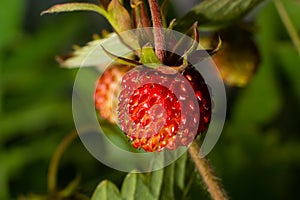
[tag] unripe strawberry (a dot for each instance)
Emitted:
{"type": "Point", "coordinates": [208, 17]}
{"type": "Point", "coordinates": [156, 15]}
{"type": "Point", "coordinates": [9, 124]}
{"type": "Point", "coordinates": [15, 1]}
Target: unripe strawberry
{"type": "Point", "coordinates": [238, 58]}
{"type": "Point", "coordinates": [108, 87]}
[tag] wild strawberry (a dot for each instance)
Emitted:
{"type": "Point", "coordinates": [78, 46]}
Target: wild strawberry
{"type": "Point", "coordinates": [158, 107]}
{"type": "Point", "coordinates": [238, 58]}
{"type": "Point", "coordinates": [203, 96]}
{"type": "Point", "coordinates": [108, 88]}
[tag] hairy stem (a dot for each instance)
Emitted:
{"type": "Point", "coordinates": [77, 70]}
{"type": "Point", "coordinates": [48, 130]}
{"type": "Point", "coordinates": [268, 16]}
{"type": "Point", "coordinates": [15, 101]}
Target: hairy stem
{"type": "Point", "coordinates": [203, 166]}
{"type": "Point", "coordinates": [52, 172]}
{"type": "Point", "coordinates": [159, 38]}
{"type": "Point", "coordinates": [288, 24]}
{"type": "Point", "coordinates": [144, 16]}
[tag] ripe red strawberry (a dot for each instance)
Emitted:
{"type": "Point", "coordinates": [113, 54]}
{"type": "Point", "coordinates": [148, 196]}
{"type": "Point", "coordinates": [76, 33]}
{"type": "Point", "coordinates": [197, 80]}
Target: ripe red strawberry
{"type": "Point", "coordinates": [158, 107]}
{"type": "Point", "coordinates": [202, 94]}
{"type": "Point", "coordinates": [107, 91]}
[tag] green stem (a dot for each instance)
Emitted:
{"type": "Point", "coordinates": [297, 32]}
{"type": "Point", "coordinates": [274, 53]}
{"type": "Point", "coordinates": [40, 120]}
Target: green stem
{"type": "Point", "coordinates": [203, 166]}
{"type": "Point", "coordinates": [288, 24]}
{"type": "Point", "coordinates": [52, 173]}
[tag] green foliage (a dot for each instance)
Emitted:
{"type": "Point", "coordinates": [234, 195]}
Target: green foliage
{"type": "Point", "coordinates": [212, 14]}
{"type": "Point", "coordinates": [160, 184]}
{"type": "Point", "coordinates": [106, 190]}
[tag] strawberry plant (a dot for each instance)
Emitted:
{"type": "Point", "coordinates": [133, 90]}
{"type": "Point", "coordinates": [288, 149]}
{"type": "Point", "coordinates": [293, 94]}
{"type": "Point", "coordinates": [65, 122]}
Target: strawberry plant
{"type": "Point", "coordinates": [146, 101]}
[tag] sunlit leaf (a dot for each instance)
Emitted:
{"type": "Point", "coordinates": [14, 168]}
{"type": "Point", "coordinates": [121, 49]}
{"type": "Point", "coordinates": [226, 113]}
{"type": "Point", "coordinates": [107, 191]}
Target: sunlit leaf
{"type": "Point", "coordinates": [120, 19]}
{"type": "Point", "coordinates": [106, 190]}
{"type": "Point", "coordinates": [155, 181]}
{"type": "Point", "coordinates": [156, 185]}
{"type": "Point", "coordinates": [119, 16]}
{"type": "Point", "coordinates": [116, 14]}
{"type": "Point", "coordinates": [135, 187]}
{"type": "Point", "coordinates": [93, 53]}
{"type": "Point", "coordinates": [70, 7]}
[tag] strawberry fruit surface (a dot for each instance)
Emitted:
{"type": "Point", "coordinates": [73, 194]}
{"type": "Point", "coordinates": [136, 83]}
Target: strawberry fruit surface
{"type": "Point", "coordinates": [163, 108]}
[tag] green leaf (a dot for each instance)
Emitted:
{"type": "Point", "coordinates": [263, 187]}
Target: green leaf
{"type": "Point", "coordinates": [120, 19]}
{"type": "Point", "coordinates": [156, 180]}
{"type": "Point", "coordinates": [160, 184]}
{"type": "Point", "coordinates": [168, 183]}
{"type": "Point", "coordinates": [116, 14]}
{"type": "Point", "coordinates": [116, 136]}
{"type": "Point", "coordinates": [135, 187]}
{"type": "Point", "coordinates": [129, 187]}
{"type": "Point", "coordinates": [180, 167]}
{"type": "Point", "coordinates": [70, 7]}
{"type": "Point", "coordinates": [212, 14]}
{"type": "Point", "coordinates": [119, 16]}
{"type": "Point", "coordinates": [106, 190]}
{"type": "Point", "coordinates": [92, 54]}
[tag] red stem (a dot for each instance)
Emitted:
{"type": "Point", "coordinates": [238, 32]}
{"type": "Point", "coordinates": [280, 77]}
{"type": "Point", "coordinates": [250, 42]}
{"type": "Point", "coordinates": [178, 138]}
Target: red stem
{"type": "Point", "coordinates": [159, 39]}
{"type": "Point", "coordinates": [144, 16]}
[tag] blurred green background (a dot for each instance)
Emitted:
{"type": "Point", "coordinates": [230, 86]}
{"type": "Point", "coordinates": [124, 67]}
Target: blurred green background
{"type": "Point", "coordinates": [257, 156]}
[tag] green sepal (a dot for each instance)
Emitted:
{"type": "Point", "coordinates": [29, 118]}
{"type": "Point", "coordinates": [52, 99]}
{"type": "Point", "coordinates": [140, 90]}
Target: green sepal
{"type": "Point", "coordinates": [148, 57]}
{"type": "Point", "coordinates": [121, 60]}
{"type": "Point", "coordinates": [185, 45]}
{"type": "Point", "coordinates": [201, 54]}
